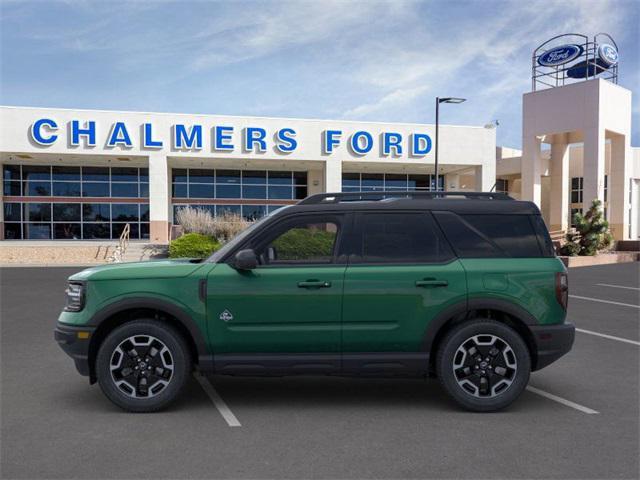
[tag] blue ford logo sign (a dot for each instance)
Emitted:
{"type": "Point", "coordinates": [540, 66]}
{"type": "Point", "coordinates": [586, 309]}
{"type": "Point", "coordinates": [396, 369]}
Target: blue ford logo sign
{"type": "Point", "coordinates": [608, 54]}
{"type": "Point", "coordinates": [560, 55]}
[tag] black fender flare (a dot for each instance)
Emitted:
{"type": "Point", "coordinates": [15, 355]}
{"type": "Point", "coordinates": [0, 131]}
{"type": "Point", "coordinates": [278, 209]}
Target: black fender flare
{"type": "Point", "coordinates": [156, 304]}
{"type": "Point", "coordinates": [462, 309]}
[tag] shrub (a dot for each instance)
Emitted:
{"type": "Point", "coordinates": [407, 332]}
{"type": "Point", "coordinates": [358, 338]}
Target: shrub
{"type": "Point", "coordinates": [222, 227]}
{"type": "Point", "coordinates": [193, 245]}
{"type": "Point", "coordinates": [591, 235]}
{"type": "Point", "coordinates": [301, 243]}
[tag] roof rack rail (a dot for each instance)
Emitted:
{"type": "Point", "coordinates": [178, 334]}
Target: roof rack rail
{"type": "Point", "coordinates": [386, 194]}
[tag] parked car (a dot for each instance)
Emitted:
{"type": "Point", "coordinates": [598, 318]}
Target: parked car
{"type": "Point", "coordinates": [465, 287]}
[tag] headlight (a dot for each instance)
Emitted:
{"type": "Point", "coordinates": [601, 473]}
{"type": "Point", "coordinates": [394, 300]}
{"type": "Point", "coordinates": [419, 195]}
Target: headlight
{"type": "Point", "coordinates": [75, 297]}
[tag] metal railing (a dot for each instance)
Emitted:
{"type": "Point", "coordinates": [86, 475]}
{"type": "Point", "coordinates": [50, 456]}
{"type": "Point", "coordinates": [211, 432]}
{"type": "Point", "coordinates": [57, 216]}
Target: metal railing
{"type": "Point", "coordinates": [123, 243]}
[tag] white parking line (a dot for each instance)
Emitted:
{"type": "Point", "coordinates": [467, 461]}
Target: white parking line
{"type": "Point", "coordinates": [616, 286]}
{"type": "Point", "coordinates": [563, 401]}
{"type": "Point", "coordinates": [610, 337]}
{"type": "Point", "coordinates": [222, 407]}
{"type": "Point", "coordinates": [604, 301]}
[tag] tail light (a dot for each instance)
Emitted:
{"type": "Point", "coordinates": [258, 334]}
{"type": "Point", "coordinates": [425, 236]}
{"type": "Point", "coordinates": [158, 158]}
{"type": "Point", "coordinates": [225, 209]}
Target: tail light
{"type": "Point", "coordinates": [562, 289]}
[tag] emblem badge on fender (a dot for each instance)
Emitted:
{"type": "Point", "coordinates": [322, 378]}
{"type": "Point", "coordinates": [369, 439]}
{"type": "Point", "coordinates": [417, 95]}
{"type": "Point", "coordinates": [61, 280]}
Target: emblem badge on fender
{"type": "Point", "coordinates": [226, 316]}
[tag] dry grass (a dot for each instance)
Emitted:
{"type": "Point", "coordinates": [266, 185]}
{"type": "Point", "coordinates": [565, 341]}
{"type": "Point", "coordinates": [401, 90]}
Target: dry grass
{"type": "Point", "coordinates": [223, 227]}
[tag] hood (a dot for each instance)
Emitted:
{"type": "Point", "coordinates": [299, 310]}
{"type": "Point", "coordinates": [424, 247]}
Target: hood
{"type": "Point", "coordinates": [176, 268]}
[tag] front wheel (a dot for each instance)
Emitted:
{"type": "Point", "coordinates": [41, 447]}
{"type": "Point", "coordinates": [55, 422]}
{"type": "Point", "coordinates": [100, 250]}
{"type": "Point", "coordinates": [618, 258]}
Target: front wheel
{"type": "Point", "coordinates": [484, 365]}
{"type": "Point", "coordinates": [143, 365]}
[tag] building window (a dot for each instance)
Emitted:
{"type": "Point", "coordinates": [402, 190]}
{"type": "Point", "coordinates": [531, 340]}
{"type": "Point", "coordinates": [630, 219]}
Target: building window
{"type": "Point", "coordinates": [371, 182]}
{"type": "Point", "coordinates": [63, 212]}
{"type": "Point", "coordinates": [576, 189]}
{"type": "Point", "coordinates": [502, 186]}
{"type": "Point", "coordinates": [249, 187]}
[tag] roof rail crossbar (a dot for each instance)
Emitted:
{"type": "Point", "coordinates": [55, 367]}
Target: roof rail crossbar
{"type": "Point", "coordinates": [386, 194]}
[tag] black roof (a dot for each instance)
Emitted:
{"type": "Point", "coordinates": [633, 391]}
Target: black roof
{"type": "Point", "coordinates": [458, 202]}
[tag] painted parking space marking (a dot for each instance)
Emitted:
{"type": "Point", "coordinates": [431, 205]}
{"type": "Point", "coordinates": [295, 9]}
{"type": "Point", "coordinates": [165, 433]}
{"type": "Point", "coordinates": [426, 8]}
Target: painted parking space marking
{"type": "Point", "coordinates": [605, 301]}
{"type": "Point", "coordinates": [610, 337]}
{"type": "Point", "coordinates": [617, 286]}
{"type": "Point", "coordinates": [563, 401]}
{"type": "Point", "coordinates": [217, 400]}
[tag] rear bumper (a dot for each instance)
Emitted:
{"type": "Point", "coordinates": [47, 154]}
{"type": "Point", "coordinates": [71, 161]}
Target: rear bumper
{"type": "Point", "coordinates": [552, 342]}
{"type": "Point", "coordinates": [75, 345]}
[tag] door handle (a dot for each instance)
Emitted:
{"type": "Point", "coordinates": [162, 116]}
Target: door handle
{"type": "Point", "coordinates": [431, 282]}
{"type": "Point", "coordinates": [314, 284]}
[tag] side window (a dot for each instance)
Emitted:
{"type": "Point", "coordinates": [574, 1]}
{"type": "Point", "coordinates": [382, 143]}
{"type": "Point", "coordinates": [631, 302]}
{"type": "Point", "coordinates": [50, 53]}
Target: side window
{"type": "Point", "coordinates": [543, 236]}
{"type": "Point", "coordinates": [299, 242]}
{"type": "Point", "coordinates": [482, 236]}
{"type": "Point", "coordinates": [401, 237]}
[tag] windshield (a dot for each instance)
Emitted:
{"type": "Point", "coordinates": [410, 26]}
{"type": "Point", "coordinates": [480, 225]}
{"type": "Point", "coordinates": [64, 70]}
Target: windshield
{"type": "Point", "coordinates": [235, 241]}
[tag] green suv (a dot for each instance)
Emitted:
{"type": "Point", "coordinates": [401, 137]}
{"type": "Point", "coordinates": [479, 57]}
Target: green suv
{"type": "Point", "coordinates": [462, 286]}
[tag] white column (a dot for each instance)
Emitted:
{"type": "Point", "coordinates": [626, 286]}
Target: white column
{"type": "Point", "coordinates": [485, 177]}
{"type": "Point", "coordinates": [618, 187]}
{"type": "Point", "coordinates": [593, 166]}
{"type": "Point", "coordinates": [531, 169]}
{"type": "Point", "coordinates": [159, 198]}
{"type": "Point", "coordinates": [559, 201]}
{"type": "Point", "coordinates": [332, 175]}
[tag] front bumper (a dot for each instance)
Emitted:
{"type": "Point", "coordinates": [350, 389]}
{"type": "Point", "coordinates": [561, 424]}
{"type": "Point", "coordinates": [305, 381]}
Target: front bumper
{"type": "Point", "coordinates": [552, 342]}
{"type": "Point", "coordinates": [75, 343]}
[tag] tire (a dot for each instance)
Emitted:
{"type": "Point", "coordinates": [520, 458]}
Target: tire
{"type": "Point", "coordinates": [461, 369]}
{"type": "Point", "coordinates": [146, 346]}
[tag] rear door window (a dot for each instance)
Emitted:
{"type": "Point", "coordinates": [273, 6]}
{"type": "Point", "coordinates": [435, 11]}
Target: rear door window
{"type": "Point", "coordinates": [400, 237]}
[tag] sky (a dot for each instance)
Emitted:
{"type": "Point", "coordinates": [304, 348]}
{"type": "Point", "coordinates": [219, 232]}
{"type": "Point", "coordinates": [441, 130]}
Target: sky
{"type": "Point", "coordinates": [345, 60]}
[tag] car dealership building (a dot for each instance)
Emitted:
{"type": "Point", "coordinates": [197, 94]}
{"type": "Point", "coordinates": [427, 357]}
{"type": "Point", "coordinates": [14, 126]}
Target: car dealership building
{"type": "Point", "coordinates": [86, 174]}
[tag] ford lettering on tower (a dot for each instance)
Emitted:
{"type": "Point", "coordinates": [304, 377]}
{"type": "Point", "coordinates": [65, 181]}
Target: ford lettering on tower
{"type": "Point", "coordinates": [560, 55]}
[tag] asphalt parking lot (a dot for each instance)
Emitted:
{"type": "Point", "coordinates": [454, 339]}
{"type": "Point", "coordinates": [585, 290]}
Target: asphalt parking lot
{"type": "Point", "coordinates": [580, 419]}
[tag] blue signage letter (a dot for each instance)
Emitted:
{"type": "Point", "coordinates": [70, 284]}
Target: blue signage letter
{"type": "Point", "coordinates": [119, 136]}
{"type": "Point", "coordinates": [221, 137]}
{"type": "Point", "coordinates": [184, 139]}
{"type": "Point", "coordinates": [147, 138]}
{"type": "Point", "coordinates": [391, 140]}
{"type": "Point", "coordinates": [253, 136]}
{"type": "Point", "coordinates": [355, 142]}
{"type": "Point", "coordinates": [329, 140]}
{"type": "Point", "coordinates": [286, 140]}
{"type": "Point", "coordinates": [36, 131]}
{"type": "Point", "coordinates": [421, 144]}
{"type": "Point", "coordinates": [89, 131]}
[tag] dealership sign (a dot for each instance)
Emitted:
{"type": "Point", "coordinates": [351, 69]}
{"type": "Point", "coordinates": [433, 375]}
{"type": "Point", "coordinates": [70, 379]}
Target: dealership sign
{"type": "Point", "coordinates": [560, 55]}
{"type": "Point", "coordinates": [608, 54]}
{"type": "Point", "coordinates": [223, 138]}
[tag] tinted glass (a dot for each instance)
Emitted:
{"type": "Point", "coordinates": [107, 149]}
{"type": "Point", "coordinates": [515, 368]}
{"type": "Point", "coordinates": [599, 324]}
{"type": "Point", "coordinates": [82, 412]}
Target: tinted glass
{"type": "Point", "coordinates": [70, 231]}
{"type": "Point", "coordinates": [12, 189]}
{"type": "Point", "coordinates": [351, 180]}
{"type": "Point", "coordinates": [282, 193]}
{"type": "Point", "coordinates": [300, 178]}
{"type": "Point", "coordinates": [228, 191]}
{"type": "Point", "coordinates": [254, 191]}
{"type": "Point", "coordinates": [96, 174]}
{"type": "Point", "coordinates": [11, 172]}
{"type": "Point", "coordinates": [37, 212]}
{"type": "Point", "coordinates": [120, 174]}
{"type": "Point", "coordinates": [12, 231]}
{"type": "Point", "coordinates": [419, 181]}
{"type": "Point", "coordinates": [401, 238]}
{"type": "Point", "coordinates": [96, 212]}
{"type": "Point", "coordinates": [124, 190]}
{"type": "Point", "coordinates": [66, 173]}
{"type": "Point", "coordinates": [280, 178]}
{"type": "Point", "coordinates": [543, 236]}
{"type": "Point", "coordinates": [37, 189]}
{"type": "Point", "coordinates": [228, 176]}
{"type": "Point", "coordinates": [466, 242]}
{"type": "Point", "coordinates": [95, 189]}
{"type": "Point", "coordinates": [144, 212]}
{"type": "Point", "coordinates": [253, 212]}
{"type": "Point", "coordinates": [33, 172]}
{"type": "Point", "coordinates": [66, 212]}
{"type": "Point", "coordinates": [300, 192]}
{"type": "Point", "coordinates": [144, 190]}
{"type": "Point", "coordinates": [66, 189]}
{"type": "Point", "coordinates": [197, 190]}
{"type": "Point", "coordinates": [302, 242]}
{"type": "Point", "coordinates": [96, 230]}
{"type": "Point", "coordinates": [179, 174]}
{"type": "Point", "coordinates": [232, 209]}
{"type": "Point", "coordinates": [200, 175]}
{"type": "Point", "coordinates": [179, 190]}
{"type": "Point", "coordinates": [395, 181]}
{"type": "Point", "coordinates": [12, 212]}
{"type": "Point", "coordinates": [257, 177]}
{"type": "Point", "coordinates": [124, 212]}
{"type": "Point", "coordinates": [512, 233]}
{"type": "Point", "coordinates": [37, 231]}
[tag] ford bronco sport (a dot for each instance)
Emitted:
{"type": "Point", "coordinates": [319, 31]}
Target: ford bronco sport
{"type": "Point", "coordinates": [462, 286]}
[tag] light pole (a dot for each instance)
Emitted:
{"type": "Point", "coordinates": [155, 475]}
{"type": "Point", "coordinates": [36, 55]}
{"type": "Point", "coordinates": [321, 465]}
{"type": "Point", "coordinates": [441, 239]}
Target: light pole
{"type": "Point", "coordinates": [438, 102]}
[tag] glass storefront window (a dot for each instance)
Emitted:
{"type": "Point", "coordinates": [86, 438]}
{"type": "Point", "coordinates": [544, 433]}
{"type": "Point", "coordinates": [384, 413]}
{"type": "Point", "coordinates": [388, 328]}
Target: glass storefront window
{"type": "Point", "coordinates": [356, 182]}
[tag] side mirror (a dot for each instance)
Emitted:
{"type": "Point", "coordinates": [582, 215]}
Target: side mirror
{"type": "Point", "coordinates": [245, 260]}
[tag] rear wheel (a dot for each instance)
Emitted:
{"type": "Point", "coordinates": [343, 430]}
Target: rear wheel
{"type": "Point", "coordinates": [484, 365]}
{"type": "Point", "coordinates": [143, 365]}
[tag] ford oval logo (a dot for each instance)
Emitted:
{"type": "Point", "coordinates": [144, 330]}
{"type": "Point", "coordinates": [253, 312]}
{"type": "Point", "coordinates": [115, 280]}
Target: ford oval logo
{"type": "Point", "coordinates": [560, 55]}
{"type": "Point", "coordinates": [608, 54]}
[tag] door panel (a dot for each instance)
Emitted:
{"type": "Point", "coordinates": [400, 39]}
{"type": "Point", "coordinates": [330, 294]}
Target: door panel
{"type": "Point", "coordinates": [275, 309]}
{"type": "Point", "coordinates": [387, 308]}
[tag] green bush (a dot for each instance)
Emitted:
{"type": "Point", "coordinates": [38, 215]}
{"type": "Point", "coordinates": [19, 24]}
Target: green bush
{"type": "Point", "coordinates": [303, 243]}
{"type": "Point", "coordinates": [591, 233]}
{"type": "Point", "coordinates": [193, 245]}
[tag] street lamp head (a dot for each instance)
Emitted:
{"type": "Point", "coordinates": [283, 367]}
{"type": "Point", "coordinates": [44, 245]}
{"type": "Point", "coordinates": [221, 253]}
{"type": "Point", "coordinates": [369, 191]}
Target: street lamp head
{"type": "Point", "coordinates": [451, 100]}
